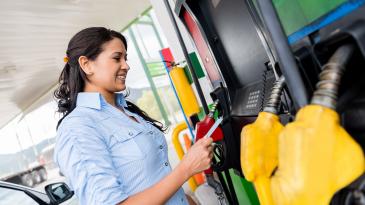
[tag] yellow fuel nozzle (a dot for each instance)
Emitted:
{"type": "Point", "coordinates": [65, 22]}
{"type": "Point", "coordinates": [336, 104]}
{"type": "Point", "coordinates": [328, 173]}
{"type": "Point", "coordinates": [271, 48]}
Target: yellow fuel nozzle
{"type": "Point", "coordinates": [259, 153]}
{"type": "Point", "coordinates": [317, 157]}
{"type": "Point", "coordinates": [259, 146]}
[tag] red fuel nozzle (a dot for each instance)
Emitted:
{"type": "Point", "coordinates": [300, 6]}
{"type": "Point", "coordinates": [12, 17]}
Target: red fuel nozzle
{"type": "Point", "coordinates": [202, 129]}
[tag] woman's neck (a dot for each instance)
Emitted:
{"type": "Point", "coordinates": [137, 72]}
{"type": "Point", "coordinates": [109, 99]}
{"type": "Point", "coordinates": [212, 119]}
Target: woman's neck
{"type": "Point", "coordinates": [108, 96]}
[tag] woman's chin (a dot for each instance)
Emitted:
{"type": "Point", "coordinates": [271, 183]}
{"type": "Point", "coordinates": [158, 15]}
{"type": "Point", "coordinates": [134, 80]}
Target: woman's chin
{"type": "Point", "coordinates": [121, 88]}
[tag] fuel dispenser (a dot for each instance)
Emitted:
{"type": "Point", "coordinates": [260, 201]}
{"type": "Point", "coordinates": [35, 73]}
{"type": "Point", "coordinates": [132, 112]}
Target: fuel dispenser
{"type": "Point", "coordinates": [245, 46]}
{"type": "Point", "coordinates": [241, 76]}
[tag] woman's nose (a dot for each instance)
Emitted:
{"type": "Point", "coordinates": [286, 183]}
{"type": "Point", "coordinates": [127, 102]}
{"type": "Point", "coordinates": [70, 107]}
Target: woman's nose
{"type": "Point", "coordinates": [125, 66]}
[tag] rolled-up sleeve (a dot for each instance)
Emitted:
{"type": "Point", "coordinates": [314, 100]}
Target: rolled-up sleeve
{"type": "Point", "coordinates": [83, 157]}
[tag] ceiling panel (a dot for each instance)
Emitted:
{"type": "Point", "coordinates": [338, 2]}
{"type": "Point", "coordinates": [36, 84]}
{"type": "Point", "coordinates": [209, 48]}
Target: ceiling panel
{"type": "Point", "coordinates": [33, 39]}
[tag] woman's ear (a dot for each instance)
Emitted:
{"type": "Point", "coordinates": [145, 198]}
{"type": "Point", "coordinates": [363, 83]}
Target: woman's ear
{"type": "Point", "coordinates": [85, 65]}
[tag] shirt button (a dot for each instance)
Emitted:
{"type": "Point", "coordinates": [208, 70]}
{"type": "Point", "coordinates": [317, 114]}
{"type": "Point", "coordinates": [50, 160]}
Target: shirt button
{"type": "Point", "coordinates": [182, 199]}
{"type": "Point", "coordinates": [161, 146]}
{"type": "Point", "coordinates": [166, 164]}
{"type": "Point", "coordinates": [130, 133]}
{"type": "Point", "coordinates": [150, 132]}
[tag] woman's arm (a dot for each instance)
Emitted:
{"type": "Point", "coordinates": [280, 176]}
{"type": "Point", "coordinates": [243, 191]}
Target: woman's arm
{"type": "Point", "coordinates": [196, 160]}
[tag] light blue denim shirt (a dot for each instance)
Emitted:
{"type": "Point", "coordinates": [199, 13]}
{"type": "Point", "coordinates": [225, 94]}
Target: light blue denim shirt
{"type": "Point", "coordinates": [106, 156]}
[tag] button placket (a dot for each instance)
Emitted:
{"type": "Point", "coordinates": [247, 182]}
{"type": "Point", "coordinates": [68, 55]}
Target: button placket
{"type": "Point", "coordinates": [160, 142]}
{"type": "Point", "coordinates": [155, 139]}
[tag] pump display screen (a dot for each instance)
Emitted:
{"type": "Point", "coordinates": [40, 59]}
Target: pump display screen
{"type": "Point", "coordinates": [301, 17]}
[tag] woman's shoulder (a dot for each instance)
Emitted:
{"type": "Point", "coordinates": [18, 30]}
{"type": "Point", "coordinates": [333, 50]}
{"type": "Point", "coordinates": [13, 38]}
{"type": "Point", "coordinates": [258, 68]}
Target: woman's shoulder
{"type": "Point", "coordinates": [79, 116]}
{"type": "Point", "coordinates": [81, 125]}
{"type": "Point", "coordinates": [82, 117]}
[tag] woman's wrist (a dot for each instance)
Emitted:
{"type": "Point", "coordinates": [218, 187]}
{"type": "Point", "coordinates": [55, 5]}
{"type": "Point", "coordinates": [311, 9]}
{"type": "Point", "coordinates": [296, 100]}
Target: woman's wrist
{"type": "Point", "coordinates": [183, 170]}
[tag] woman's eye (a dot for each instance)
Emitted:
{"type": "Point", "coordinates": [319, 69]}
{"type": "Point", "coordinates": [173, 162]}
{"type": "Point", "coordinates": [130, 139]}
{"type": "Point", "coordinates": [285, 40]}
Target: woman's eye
{"type": "Point", "coordinates": [117, 59]}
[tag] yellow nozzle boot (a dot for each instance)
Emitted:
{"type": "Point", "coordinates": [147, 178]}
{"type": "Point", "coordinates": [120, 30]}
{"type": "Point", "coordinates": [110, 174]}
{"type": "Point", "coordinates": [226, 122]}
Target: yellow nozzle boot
{"type": "Point", "coordinates": [259, 153]}
{"type": "Point", "coordinates": [317, 157]}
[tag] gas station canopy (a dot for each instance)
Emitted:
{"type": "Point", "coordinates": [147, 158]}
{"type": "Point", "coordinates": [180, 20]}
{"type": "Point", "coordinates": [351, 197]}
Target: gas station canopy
{"type": "Point", "coordinates": [33, 40]}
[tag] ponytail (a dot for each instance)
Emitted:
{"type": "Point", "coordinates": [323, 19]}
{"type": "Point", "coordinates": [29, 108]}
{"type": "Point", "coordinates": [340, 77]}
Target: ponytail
{"type": "Point", "coordinates": [71, 82]}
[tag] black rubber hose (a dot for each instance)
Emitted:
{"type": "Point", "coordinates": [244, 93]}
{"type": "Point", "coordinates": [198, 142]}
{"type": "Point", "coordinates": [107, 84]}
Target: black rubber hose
{"type": "Point", "coordinates": [190, 65]}
{"type": "Point", "coordinates": [284, 54]}
{"type": "Point", "coordinates": [225, 188]}
{"type": "Point", "coordinates": [231, 188]}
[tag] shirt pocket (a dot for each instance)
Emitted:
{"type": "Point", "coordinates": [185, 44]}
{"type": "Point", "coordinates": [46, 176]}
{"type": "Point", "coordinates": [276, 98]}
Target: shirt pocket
{"type": "Point", "coordinates": [124, 147]}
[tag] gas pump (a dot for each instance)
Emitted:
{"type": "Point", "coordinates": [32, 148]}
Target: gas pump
{"type": "Point", "coordinates": [241, 85]}
{"type": "Point", "coordinates": [245, 45]}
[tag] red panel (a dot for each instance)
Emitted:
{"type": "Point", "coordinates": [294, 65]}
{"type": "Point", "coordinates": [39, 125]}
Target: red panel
{"type": "Point", "coordinates": [202, 47]}
{"type": "Point", "coordinates": [167, 57]}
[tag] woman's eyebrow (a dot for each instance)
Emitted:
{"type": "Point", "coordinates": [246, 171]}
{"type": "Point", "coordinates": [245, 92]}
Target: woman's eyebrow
{"type": "Point", "coordinates": [117, 53]}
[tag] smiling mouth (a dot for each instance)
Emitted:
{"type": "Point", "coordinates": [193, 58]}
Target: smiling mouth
{"type": "Point", "coordinates": [121, 77]}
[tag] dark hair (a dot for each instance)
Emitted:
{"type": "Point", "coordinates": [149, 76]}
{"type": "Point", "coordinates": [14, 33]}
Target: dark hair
{"type": "Point", "coordinates": [88, 42]}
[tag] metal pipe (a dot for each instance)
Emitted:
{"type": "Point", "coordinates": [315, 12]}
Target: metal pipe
{"type": "Point", "coordinates": [274, 100]}
{"type": "Point", "coordinates": [190, 65]}
{"type": "Point", "coordinates": [286, 60]}
{"type": "Point", "coordinates": [326, 93]}
{"type": "Point", "coordinates": [213, 109]}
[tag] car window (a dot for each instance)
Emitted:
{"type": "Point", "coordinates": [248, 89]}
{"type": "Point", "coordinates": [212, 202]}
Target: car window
{"type": "Point", "coordinates": [11, 196]}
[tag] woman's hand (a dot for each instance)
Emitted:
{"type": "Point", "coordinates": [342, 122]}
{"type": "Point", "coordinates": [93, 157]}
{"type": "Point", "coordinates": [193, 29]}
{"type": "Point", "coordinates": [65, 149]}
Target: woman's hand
{"type": "Point", "coordinates": [199, 157]}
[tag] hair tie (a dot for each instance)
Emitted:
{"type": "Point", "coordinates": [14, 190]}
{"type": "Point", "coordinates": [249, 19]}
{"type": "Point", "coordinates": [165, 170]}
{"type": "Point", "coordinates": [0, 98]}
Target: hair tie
{"type": "Point", "coordinates": [65, 59]}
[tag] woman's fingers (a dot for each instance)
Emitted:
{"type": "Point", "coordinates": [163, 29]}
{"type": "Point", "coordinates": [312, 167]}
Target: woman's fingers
{"type": "Point", "coordinates": [210, 148]}
{"type": "Point", "coordinates": [208, 141]}
{"type": "Point", "coordinates": [200, 155]}
{"type": "Point", "coordinates": [211, 155]}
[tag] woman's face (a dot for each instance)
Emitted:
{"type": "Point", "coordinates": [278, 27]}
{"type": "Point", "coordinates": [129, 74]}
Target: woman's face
{"type": "Point", "coordinates": [110, 68]}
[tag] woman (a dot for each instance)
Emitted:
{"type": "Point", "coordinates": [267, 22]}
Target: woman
{"type": "Point", "coordinates": [110, 151]}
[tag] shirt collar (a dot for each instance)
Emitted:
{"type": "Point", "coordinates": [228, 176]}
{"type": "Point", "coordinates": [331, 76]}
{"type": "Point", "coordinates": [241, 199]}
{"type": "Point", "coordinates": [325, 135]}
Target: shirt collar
{"type": "Point", "coordinates": [96, 100]}
{"type": "Point", "coordinates": [120, 100]}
